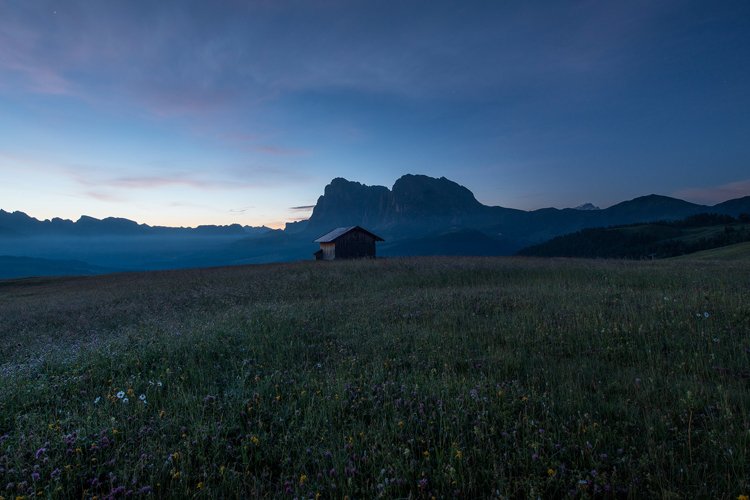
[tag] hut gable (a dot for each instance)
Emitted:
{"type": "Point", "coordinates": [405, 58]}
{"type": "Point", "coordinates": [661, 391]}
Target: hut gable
{"type": "Point", "coordinates": [351, 242]}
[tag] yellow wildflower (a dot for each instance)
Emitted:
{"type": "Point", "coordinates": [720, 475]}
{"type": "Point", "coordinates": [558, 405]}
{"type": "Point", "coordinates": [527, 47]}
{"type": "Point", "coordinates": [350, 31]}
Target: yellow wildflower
{"type": "Point", "coordinates": [459, 454]}
{"type": "Point", "coordinates": [176, 455]}
{"type": "Point", "coordinates": [162, 413]}
{"type": "Point", "coordinates": [302, 479]}
{"type": "Point", "coordinates": [255, 440]}
{"type": "Point", "coordinates": [426, 454]}
{"type": "Point", "coordinates": [743, 497]}
{"type": "Point", "coordinates": [131, 392]}
{"type": "Point", "coordinates": [551, 472]}
{"type": "Point", "coordinates": [200, 485]}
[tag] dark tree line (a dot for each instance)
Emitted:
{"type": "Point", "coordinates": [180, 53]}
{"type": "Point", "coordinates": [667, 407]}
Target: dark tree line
{"type": "Point", "coordinates": [643, 241]}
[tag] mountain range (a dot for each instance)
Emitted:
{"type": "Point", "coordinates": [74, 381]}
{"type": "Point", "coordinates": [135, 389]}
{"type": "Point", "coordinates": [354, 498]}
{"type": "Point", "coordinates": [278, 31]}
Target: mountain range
{"type": "Point", "coordinates": [418, 206]}
{"type": "Point", "coordinates": [419, 215]}
{"type": "Point", "coordinates": [19, 224]}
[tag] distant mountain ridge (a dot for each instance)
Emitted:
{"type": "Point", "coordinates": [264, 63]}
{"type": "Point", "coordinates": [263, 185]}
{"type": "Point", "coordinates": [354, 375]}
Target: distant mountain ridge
{"type": "Point", "coordinates": [587, 206]}
{"type": "Point", "coordinates": [20, 224]}
{"type": "Point", "coordinates": [419, 215]}
{"type": "Point", "coordinates": [414, 200]}
{"type": "Point", "coordinates": [419, 206]}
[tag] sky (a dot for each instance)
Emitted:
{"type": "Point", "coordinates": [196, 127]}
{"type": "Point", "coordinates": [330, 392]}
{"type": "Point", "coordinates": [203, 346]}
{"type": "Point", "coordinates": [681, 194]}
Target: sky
{"type": "Point", "coordinates": [185, 112]}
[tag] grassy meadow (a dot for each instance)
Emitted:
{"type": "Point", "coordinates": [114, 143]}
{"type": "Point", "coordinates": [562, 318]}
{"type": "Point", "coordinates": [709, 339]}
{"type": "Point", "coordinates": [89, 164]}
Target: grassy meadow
{"type": "Point", "coordinates": [421, 378]}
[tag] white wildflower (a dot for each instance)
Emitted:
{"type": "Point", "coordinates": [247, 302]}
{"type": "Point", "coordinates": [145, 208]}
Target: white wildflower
{"type": "Point", "coordinates": [125, 400]}
{"type": "Point", "coordinates": [120, 394]}
{"type": "Point", "coordinates": [96, 401]}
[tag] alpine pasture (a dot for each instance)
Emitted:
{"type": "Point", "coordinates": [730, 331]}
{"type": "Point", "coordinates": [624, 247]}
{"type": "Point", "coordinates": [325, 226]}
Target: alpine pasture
{"type": "Point", "coordinates": [421, 378]}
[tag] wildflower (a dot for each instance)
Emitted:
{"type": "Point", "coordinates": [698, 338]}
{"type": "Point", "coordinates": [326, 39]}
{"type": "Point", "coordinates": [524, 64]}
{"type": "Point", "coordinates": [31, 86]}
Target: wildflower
{"type": "Point", "coordinates": [162, 413]}
{"type": "Point", "coordinates": [551, 472]}
{"type": "Point", "coordinates": [200, 485]}
{"type": "Point", "coordinates": [125, 400]}
{"type": "Point", "coordinates": [96, 401]}
{"type": "Point", "coordinates": [706, 315]}
{"type": "Point", "coordinates": [255, 440]}
{"type": "Point", "coordinates": [176, 455]}
{"type": "Point", "coordinates": [120, 395]}
{"type": "Point", "coordinates": [142, 397]}
{"type": "Point", "coordinates": [35, 476]}
{"type": "Point", "coordinates": [426, 454]}
{"type": "Point", "coordinates": [302, 479]}
{"type": "Point", "coordinates": [743, 497]}
{"type": "Point", "coordinates": [131, 392]}
{"type": "Point", "coordinates": [459, 454]}
{"type": "Point", "coordinates": [158, 383]}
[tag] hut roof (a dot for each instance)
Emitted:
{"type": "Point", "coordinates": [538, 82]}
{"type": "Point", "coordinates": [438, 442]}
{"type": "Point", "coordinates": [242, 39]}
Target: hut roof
{"type": "Point", "coordinates": [340, 231]}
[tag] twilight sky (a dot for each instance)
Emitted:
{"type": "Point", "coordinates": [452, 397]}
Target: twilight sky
{"type": "Point", "coordinates": [214, 112]}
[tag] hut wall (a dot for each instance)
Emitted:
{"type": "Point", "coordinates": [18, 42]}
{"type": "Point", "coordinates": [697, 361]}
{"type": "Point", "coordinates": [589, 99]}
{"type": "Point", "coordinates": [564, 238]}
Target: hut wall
{"type": "Point", "coordinates": [329, 250]}
{"type": "Point", "coordinates": [355, 245]}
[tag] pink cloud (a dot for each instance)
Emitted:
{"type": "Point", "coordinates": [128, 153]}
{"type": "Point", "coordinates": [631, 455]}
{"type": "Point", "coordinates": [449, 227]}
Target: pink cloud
{"type": "Point", "coordinates": [157, 182]}
{"type": "Point", "coordinates": [18, 58]}
{"type": "Point", "coordinates": [715, 194]}
{"type": "Point", "coordinates": [101, 196]}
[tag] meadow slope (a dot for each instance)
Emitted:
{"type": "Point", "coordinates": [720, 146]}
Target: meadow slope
{"type": "Point", "coordinates": [461, 377]}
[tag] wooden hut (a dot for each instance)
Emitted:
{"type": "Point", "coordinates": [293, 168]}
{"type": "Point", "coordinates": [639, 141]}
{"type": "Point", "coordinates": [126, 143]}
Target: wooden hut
{"type": "Point", "coordinates": [351, 242]}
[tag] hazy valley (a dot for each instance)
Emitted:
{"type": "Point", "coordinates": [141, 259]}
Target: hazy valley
{"type": "Point", "coordinates": [420, 215]}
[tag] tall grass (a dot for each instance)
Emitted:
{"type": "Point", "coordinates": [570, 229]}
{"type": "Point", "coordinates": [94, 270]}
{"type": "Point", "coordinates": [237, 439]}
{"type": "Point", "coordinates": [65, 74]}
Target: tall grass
{"type": "Point", "coordinates": [390, 378]}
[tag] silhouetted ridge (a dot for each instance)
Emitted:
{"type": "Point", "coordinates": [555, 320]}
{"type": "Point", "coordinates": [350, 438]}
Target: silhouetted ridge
{"type": "Point", "coordinates": [420, 215]}
{"type": "Point", "coordinates": [423, 196]}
